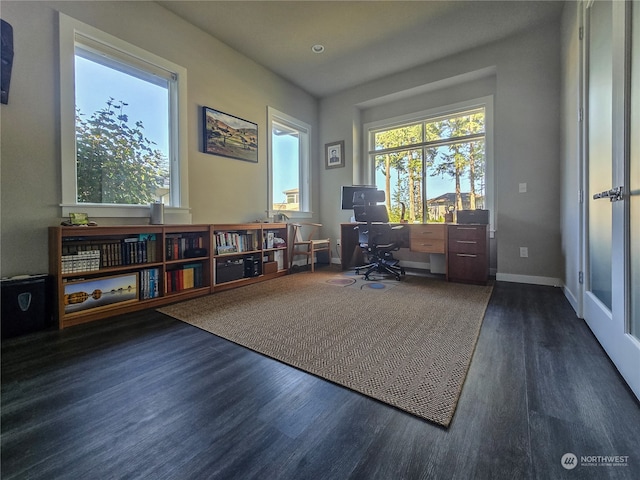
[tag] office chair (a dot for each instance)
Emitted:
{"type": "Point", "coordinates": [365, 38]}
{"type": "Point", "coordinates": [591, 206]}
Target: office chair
{"type": "Point", "coordinates": [377, 238]}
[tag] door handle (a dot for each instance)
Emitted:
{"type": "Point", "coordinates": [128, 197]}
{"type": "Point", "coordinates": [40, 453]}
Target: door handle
{"type": "Point", "coordinates": [614, 195]}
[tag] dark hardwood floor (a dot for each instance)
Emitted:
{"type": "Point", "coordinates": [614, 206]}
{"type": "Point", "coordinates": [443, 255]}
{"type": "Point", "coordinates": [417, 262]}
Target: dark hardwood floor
{"type": "Point", "coordinates": [146, 396]}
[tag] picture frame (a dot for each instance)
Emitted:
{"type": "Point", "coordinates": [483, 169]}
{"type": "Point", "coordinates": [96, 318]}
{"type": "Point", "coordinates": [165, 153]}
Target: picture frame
{"type": "Point", "coordinates": [334, 154]}
{"type": "Point", "coordinates": [100, 293]}
{"type": "Point", "coordinates": [229, 136]}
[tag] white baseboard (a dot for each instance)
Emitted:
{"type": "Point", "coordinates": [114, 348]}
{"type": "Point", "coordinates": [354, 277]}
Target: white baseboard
{"type": "Point", "coordinates": [532, 279]}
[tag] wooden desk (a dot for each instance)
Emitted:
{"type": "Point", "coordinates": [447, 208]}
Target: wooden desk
{"type": "Point", "coordinates": [419, 237]}
{"type": "Point", "coordinates": [465, 246]}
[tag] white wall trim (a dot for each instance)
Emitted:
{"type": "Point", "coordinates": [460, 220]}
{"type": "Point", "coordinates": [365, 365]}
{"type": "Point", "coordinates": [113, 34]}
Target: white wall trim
{"type": "Point", "coordinates": [68, 29]}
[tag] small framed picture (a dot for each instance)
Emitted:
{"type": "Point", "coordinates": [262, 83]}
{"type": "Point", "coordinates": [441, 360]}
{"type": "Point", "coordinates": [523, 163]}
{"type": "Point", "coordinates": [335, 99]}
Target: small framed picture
{"type": "Point", "coordinates": [334, 154]}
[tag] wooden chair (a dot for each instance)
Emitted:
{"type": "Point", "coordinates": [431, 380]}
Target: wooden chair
{"type": "Point", "coordinates": [308, 246]}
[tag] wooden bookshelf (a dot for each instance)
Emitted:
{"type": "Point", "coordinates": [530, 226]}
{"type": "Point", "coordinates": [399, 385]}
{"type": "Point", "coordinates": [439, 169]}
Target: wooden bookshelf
{"type": "Point", "coordinates": [247, 253]}
{"type": "Point", "coordinates": [104, 271]}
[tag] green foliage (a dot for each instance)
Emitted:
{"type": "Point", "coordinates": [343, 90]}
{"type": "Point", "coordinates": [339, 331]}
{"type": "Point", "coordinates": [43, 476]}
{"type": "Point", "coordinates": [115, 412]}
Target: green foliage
{"type": "Point", "coordinates": [116, 163]}
{"type": "Point", "coordinates": [461, 160]}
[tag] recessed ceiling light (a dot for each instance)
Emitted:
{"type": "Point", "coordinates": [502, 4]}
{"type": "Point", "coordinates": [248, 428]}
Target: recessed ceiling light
{"type": "Point", "coordinates": [317, 48]}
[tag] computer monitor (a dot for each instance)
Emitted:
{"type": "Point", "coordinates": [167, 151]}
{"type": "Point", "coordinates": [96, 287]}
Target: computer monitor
{"type": "Point", "coordinates": [349, 190]}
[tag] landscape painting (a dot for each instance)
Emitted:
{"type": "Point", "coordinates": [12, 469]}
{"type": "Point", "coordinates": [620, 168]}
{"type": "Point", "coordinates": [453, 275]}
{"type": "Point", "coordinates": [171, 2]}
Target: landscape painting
{"type": "Point", "coordinates": [100, 292]}
{"type": "Point", "coordinates": [229, 136]}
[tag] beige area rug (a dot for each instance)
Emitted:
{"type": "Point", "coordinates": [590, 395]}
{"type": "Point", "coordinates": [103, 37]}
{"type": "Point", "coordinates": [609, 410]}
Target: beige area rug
{"type": "Point", "coordinates": [409, 346]}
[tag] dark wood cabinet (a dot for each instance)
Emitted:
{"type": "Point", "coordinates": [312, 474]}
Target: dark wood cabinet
{"type": "Point", "coordinates": [468, 253]}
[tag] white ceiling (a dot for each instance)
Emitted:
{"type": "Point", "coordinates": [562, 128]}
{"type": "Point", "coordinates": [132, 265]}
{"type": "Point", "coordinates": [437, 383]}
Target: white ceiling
{"type": "Point", "coordinates": [364, 40]}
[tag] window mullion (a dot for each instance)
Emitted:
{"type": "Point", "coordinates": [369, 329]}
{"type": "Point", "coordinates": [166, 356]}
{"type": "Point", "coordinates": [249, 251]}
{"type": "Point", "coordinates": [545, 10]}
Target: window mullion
{"type": "Point", "coordinates": [432, 143]}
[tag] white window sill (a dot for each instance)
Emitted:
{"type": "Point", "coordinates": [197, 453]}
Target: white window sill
{"type": "Point", "coordinates": [179, 215]}
{"type": "Point", "coordinates": [291, 215]}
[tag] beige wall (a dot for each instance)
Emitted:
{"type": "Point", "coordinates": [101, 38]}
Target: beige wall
{"type": "Point", "coordinates": [221, 189]}
{"type": "Point", "coordinates": [526, 141]}
{"type": "Point", "coordinates": [523, 72]}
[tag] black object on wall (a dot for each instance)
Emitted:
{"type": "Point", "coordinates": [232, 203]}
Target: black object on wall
{"type": "Point", "coordinates": [6, 56]}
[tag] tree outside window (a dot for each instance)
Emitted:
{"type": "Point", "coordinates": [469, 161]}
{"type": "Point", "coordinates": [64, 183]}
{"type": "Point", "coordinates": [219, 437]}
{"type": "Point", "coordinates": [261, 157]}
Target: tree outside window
{"type": "Point", "coordinates": [122, 127]}
{"type": "Point", "coordinates": [427, 167]}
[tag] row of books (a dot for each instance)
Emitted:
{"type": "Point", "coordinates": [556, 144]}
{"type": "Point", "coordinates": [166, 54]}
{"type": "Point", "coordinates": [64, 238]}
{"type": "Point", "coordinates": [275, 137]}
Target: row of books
{"type": "Point", "coordinates": [112, 252]}
{"type": "Point", "coordinates": [149, 283]}
{"type": "Point", "coordinates": [82, 261]}
{"type": "Point", "coordinates": [189, 276]}
{"type": "Point", "coordinates": [232, 242]}
{"type": "Point", "coordinates": [177, 244]}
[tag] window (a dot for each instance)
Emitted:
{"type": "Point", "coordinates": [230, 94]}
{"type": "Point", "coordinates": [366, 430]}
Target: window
{"type": "Point", "coordinates": [122, 115]}
{"type": "Point", "coordinates": [434, 162]}
{"type": "Point", "coordinates": [289, 160]}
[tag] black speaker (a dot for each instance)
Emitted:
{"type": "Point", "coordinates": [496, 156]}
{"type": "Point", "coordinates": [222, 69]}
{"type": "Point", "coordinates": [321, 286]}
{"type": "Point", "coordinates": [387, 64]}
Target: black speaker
{"type": "Point", "coordinates": [26, 305]}
{"type": "Point", "coordinates": [252, 266]}
{"type": "Point", "coordinates": [473, 216]}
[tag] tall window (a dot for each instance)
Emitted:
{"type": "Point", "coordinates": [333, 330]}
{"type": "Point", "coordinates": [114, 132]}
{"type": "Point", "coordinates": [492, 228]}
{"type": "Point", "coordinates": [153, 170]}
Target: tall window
{"type": "Point", "coordinates": [432, 165]}
{"type": "Point", "coordinates": [126, 121]}
{"type": "Point", "coordinates": [289, 156]}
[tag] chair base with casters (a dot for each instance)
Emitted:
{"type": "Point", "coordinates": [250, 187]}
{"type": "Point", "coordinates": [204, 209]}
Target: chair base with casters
{"type": "Point", "coordinates": [384, 264]}
{"type": "Point", "coordinates": [379, 254]}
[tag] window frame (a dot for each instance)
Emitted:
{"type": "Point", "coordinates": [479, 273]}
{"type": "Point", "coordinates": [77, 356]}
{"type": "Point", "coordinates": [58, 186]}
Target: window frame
{"type": "Point", "coordinates": [432, 114]}
{"type": "Point", "coordinates": [70, 29]}
{"type": "Point", "coordinates": [304, 181]}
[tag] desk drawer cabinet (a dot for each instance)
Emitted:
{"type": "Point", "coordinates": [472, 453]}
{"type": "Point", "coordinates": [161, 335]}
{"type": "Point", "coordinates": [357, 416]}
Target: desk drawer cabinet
{"type": "Point", "coordinates": [468, 258]}
{"type": "Point", "coordinates": [428, 238]}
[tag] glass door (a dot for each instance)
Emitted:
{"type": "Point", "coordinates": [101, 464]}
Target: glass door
{"type": "Point", "coordinates": [610, 302]}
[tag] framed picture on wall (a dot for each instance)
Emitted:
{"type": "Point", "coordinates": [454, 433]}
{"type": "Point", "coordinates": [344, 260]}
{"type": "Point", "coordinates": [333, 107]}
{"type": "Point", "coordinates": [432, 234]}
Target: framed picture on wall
{"type": "Point", "coordinates": [229, 136]}
{"type": "Point", "coordinates": [334, 154]}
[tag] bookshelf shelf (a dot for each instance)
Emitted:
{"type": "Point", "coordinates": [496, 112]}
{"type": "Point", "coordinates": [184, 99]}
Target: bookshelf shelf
{"type": "Point", "coordinates": [103, 271]}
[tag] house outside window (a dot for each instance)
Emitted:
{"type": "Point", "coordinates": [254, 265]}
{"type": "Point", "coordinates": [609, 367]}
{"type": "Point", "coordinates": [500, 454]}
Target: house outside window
{"type": "Point", "coordinates": [289, 164]}
{"type": "Point", "coordinates": [434, 162]}
{"type": "Point", "coordinates": [122, 115]}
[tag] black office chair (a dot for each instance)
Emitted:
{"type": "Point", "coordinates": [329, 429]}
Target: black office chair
{"type": "Point", "coordinates": [377, 238]}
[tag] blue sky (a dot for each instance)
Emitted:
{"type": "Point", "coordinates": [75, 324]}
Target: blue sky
{"type": "Point", "coordinates": [285, 158]}
{"type": "Point", "coordinates": [148, 103]}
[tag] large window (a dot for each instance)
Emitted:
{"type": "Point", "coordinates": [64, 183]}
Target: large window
{"type": "Point", "coordinates": [432, 163]}
{"type": "Point", "coordinates": [121, 121]}
{"type": "Point", "coordinates": [289, 159]}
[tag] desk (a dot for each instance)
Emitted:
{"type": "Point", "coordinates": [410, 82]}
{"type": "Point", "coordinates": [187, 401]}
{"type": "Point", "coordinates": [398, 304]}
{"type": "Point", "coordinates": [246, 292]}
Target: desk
{"type": "Point", "coordinates": [465, 247]}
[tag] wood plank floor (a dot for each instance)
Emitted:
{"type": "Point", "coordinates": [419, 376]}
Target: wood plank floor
{"type": "Point", "coordinates": [146, 396]}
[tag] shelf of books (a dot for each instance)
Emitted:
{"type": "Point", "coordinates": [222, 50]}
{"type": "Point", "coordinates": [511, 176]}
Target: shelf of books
{"type": "Point", "coordinates": [274, 248]}
{"type": "Point", "coordinates": [242, 256]}
{"type": "Point", "coordinates": [103, 271]}
{"type": "Point", "coordinates": [187, 263]}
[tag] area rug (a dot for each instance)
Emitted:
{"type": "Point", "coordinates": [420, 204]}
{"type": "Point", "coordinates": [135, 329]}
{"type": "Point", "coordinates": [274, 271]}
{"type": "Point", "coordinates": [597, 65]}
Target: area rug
{"type": "Point", "coordinates": [353, 280]}
{"type": "Point", "coordinates": [409, 346]}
